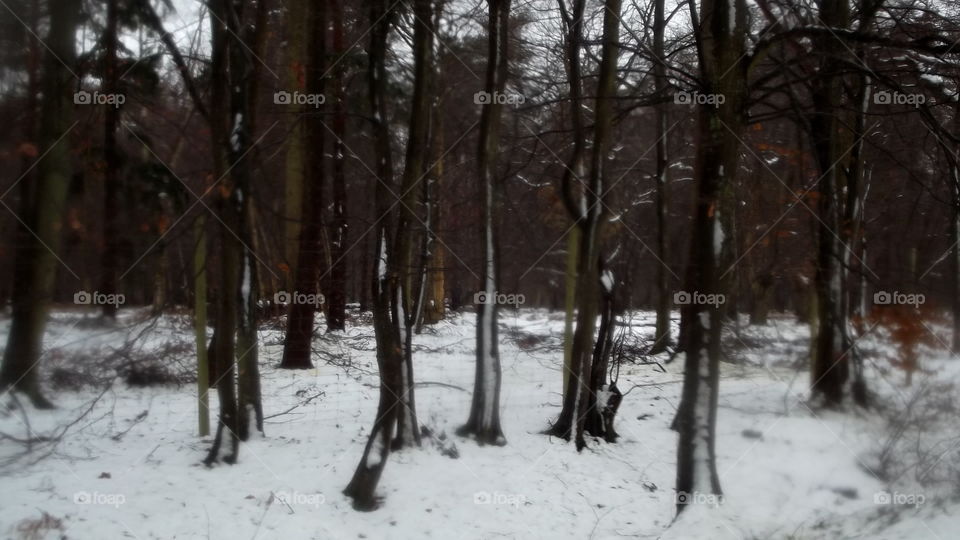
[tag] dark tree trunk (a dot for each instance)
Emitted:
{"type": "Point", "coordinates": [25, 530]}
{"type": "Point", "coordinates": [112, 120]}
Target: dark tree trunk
{"type": "Point", "coordinates": [484, 420]}
{"type": "Point", "coordinates": [43, 212]}
{"type": "Point", "coordinates": [362, 487]}
{"type": "Point", "coordinates": [661, 338]}
{"type": "Point", "coordinates": [590, 219]}
{"type": "Point", "coordinates": [111, 184]}
{"type": "Point", "coordinates": [409, 273]}
{"type": "Point", "coordinates": [604, 398]}
{"type": "Point", "coordinates": [337, 297]}
{"type": "Point", "coordinates": [721, 42]}
{"type": "Point", "coordinates": [830, 370]}
{"type": "Point", "coordinates": [245, 28]}
{"type": "Point", "coordinates": [299, 338]}
{"type": "Point", "coordinates": [223, 342]}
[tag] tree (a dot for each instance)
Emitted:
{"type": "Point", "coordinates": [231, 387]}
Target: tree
{"type": "Point", "coordinates": [42, 216]}
{"type": "Point", "coordinates": [111, 158]}
{"type": "Point", "coordinates": [484, 420]}
{"type": "Point", "coordinates": [299, 337]}
{"type": "Point", "coordinates": [661, 337]}
{"type": "Point", "coordinates": [720, 37]}
{"type": "Point", "coordinates": [363, 485]}
{"type": "Point", "coordinates": [337, 301]}
{"type": "Point", "coordinates": [589, 215]}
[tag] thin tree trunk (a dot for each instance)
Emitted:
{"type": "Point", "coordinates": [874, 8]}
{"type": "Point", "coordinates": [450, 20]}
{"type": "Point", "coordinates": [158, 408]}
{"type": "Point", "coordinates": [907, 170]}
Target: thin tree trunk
{"type": "Point", "coordinates": [337, 297]}
{"type": "Point", "coordinates": [362, 486]}
{"type": "Point", "coordinates": [200, 323]}
{"type": "Point", "coordinates": [111, 184]}
{"type": "Point", "coordinates": [223, 343]}
{"type": "Point", "coordinates": [573, 42]}
{"type": "Point", "coordinates": [590, 216]}
{"type": "Point", "coordinates": [664, 299]}
{"type": "Point", "coordinates": [418, 140]}
{"type": "Point", "coordinates": [484, 420]}
{"type": "Point", "coordinates": [721, 41]}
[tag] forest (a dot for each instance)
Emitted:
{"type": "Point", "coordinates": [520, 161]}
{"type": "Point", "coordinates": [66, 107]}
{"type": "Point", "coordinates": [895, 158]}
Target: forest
{"type": "Point", "coordinates": [480, 269]}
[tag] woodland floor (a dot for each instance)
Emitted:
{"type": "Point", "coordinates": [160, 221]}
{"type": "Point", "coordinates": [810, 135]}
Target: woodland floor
{"type": "Point", "coordinates": [124, 461]}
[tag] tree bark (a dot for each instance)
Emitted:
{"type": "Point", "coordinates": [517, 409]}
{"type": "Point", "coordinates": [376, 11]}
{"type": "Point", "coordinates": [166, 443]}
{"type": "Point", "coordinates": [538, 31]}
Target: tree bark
{"type": "Point", "coordinates": [36, 254]}
{"type": "Point", "coordinates": [337, 301]}
{"type": "Point", "coordinates": [297, 17]}
{"type": "Point", "coordinates": [223, 343]}
{"type": "Point", "coordinates": [362, 486]}
{"type": "Point", "coordinates": [661, 338]}
{"type": "Point", "coordinates": [720, 36]}
{"type": "Point", "coordinates": [111, 183]}
{"type": "Point", "coordinates": [589, 216]}
{"type": "Point", "coordinates": [299, 338]}
{"type": "Point", "coordinates": [830, 370]}
{"type": "Point", "coordinates": [484, 420]}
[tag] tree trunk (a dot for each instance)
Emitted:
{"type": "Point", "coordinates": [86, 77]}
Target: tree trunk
{"type": "Point", "coordinates": [434, 294]}
{"type": "Point", "coordinates": [200, 323]}
{"type": "Point", "coordinates": [223, 343]}
{"type": "Point", "coordinates": [362, 486]}
{"type": "Point", "coordinates": [337, 297]}
{"type": "Point", "coordinates": [36, 254]}
{"type": "Point", "coordinates": [590, 216]}
{"type": "Point", "coordinates": [297, 15]}
{"type": "Point", "coordinates": [830, 369]}
{"type": "Point", "coordinates": [484, 420]}
{"type": "Point", "coordinates": [720, 37]}
{"type": "Point", "coordinates": [111, 184]}
{"type": "Point", "coordinates": [664, 298]}
{"type": "Point", "coordinates": [418, 139]}
{"type": "Point", "coordinates": [299, 338]}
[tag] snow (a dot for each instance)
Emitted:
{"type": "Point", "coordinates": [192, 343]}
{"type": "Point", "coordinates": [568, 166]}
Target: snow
{"type": "Point", "coordinates": [116, 476]}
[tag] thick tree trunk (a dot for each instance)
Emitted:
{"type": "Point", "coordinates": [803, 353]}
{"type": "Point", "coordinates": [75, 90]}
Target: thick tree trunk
{"type": "Point", "coordinates": [297, 346]}
{"type": "Point", "coordinates": [830, 370]}
{"type": "Point", "coordinates": [484, 420]}
{"type": "Point", "coordinates": [37, 262]}
{"type": "Point", "coordinates": [297, 17]}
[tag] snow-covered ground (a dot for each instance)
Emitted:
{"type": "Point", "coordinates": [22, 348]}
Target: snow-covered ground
{"type": "Point", "coordinates": [128, 464]}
